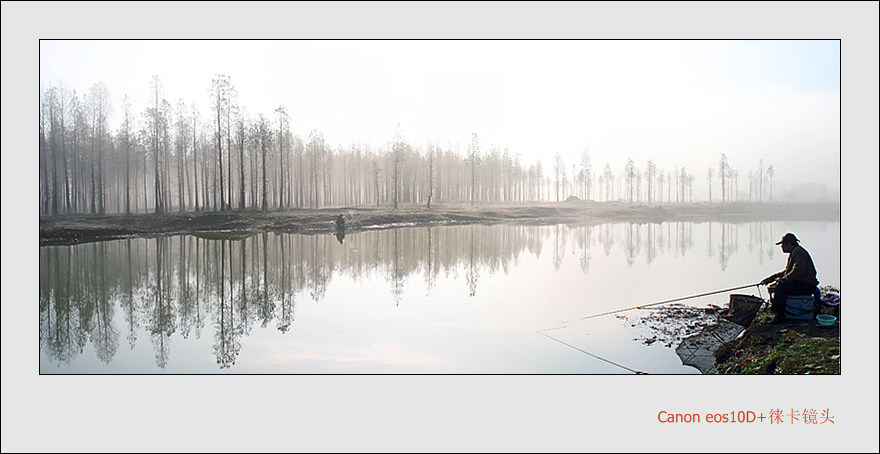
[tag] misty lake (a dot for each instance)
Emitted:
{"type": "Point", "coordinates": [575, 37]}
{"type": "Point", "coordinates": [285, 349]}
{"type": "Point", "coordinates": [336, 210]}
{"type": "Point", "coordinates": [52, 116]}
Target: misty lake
{"type": "Point", "coordinates": [422, 300]}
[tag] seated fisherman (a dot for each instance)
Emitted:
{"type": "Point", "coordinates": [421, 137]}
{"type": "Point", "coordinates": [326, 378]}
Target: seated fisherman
{"type": "Point", "coordinates": [340, 222]}
{"type": "Point", "coordinates": [798, 278]}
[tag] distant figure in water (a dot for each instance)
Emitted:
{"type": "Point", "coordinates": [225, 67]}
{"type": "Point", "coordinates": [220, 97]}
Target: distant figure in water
{"type": "Point", "coordinates": [340, 222]}
{"type": "Point", "coordinates": [798, 278]}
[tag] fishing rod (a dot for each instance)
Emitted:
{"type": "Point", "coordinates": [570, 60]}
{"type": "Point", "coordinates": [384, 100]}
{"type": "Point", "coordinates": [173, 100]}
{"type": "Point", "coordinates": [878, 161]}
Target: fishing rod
{"type": "Point", "coordinates": [641, 306]}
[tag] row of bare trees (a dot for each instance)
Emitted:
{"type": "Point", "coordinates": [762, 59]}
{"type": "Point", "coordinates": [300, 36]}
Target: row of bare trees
{"type": "Point", "coordinates": [760, 182]}
{"type": "Point", "coordinates": [171, 158]}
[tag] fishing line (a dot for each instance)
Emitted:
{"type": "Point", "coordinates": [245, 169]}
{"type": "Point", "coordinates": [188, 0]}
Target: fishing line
{"type": "Point", "coordinates": [594, 356]}
{"type": "Point", "coordinates": [564, 324]}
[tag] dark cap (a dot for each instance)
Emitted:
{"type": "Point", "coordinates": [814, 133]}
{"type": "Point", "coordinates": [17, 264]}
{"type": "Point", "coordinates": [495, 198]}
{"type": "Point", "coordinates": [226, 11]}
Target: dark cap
{"type": "Point", "coordinates": [789, 238]}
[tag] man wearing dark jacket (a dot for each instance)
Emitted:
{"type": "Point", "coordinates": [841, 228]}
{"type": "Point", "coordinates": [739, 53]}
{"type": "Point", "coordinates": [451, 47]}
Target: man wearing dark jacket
{"type": "Point", "coordinates": [798, 278]}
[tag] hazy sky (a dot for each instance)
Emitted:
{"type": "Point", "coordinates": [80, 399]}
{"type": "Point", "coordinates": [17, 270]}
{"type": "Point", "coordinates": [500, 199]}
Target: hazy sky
{"type": "Point", "coordinates": [680, 103]}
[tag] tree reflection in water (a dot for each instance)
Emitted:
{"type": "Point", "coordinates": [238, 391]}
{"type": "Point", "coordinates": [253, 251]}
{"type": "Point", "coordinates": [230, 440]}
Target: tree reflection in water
{"type": "Point", "coordinates": [171, 287]}
{"type": "Point", "coordinates": [161, 312]}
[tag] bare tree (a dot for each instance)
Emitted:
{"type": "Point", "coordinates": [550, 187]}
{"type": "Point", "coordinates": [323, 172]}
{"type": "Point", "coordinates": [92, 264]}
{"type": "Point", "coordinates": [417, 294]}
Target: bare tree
{"type": "Point", "coordinates": [126, 150]}
{"type": "Point", "coordinates": [220, 88]}
{"type": "Point", "coordinates": [397, 149]}
{"type": "Point", "coordinates": [195, 144]}
{"type": "Point", "coordinates": [315, 150]}
{"type": "Point", "coordinates": [609, 183]}
{"type": "Point", "coordinates": [99, 99]}
{"type": "Point", "coordinates": [709, 174]}
{"type": "Point", "coordinates": [651, 174]}
{"type": "Point", "coordinates": [430, 173]}
{"type": "Point", "coordinates": [241, 142]}
{"type": "Point", "coordinates": [630, 172]}
{"type": "Point", "coordinates": [51, 104]}
{"type": "Point", "coordinates": [587, 169]}
{"type": "Point", "coordinates": [723, 167]}
{"type": "Point", "coordinates": [45, 188]}
{"type": "Point", "coordinates": [376, 179]}
{"type": "Point", "coordinates": [63, 111]}
{"type": "Point", "coordinates": [299, 150]}
{"type": "Point", "coordinates": [265, 136]}
{"type": "Point", "coordinates": [283, 139]}
{"type": "Point", "coordinates": [558, 171]}
{"type": "Point", "coordinates": [155, 123]}
{"type": "Point", "coordinates": [231, 110]}
{"type": "Point", "coordinates": [165, 113]}
{"type": "Point", "coordinates": [473, 157]}
{"type": "Point", "coordinates": [683, 181]}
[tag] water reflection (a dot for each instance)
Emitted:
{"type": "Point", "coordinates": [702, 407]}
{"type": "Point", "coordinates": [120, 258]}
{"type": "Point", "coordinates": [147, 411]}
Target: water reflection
{"type": "Point", "coordinates": [171, 288]}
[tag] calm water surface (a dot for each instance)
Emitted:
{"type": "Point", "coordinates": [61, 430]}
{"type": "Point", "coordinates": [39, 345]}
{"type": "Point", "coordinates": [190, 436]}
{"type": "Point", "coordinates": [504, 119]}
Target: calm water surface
{"type": "Point", "coordinates": [457, 299]}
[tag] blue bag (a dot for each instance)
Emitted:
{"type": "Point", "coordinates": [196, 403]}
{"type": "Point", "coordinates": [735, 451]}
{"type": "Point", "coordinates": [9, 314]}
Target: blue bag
{"type": "Point", "coordinates": [799, 307]}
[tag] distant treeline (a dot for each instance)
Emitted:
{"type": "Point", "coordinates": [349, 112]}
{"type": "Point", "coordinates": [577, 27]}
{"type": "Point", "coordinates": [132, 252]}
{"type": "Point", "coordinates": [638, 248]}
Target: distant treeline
{"type": "Point", "coordinates": [175, 158]}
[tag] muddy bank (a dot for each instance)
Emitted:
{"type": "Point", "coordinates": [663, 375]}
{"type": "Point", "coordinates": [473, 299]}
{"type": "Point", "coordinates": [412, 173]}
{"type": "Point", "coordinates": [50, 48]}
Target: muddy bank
{"type": "Point", "coordinates": [714, 345]}
{"type": "Point", "coordinates": [71, 229]}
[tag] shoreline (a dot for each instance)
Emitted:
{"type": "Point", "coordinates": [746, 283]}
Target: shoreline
{"type": "Point", "coordinates": [78, 228]}
{"type": "Point", "coordinates": [712, 344]}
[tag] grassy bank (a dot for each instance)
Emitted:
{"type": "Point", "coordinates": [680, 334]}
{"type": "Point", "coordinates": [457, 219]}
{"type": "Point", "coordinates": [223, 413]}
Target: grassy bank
{"type": "Point", "coordinates": [801, 347]}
